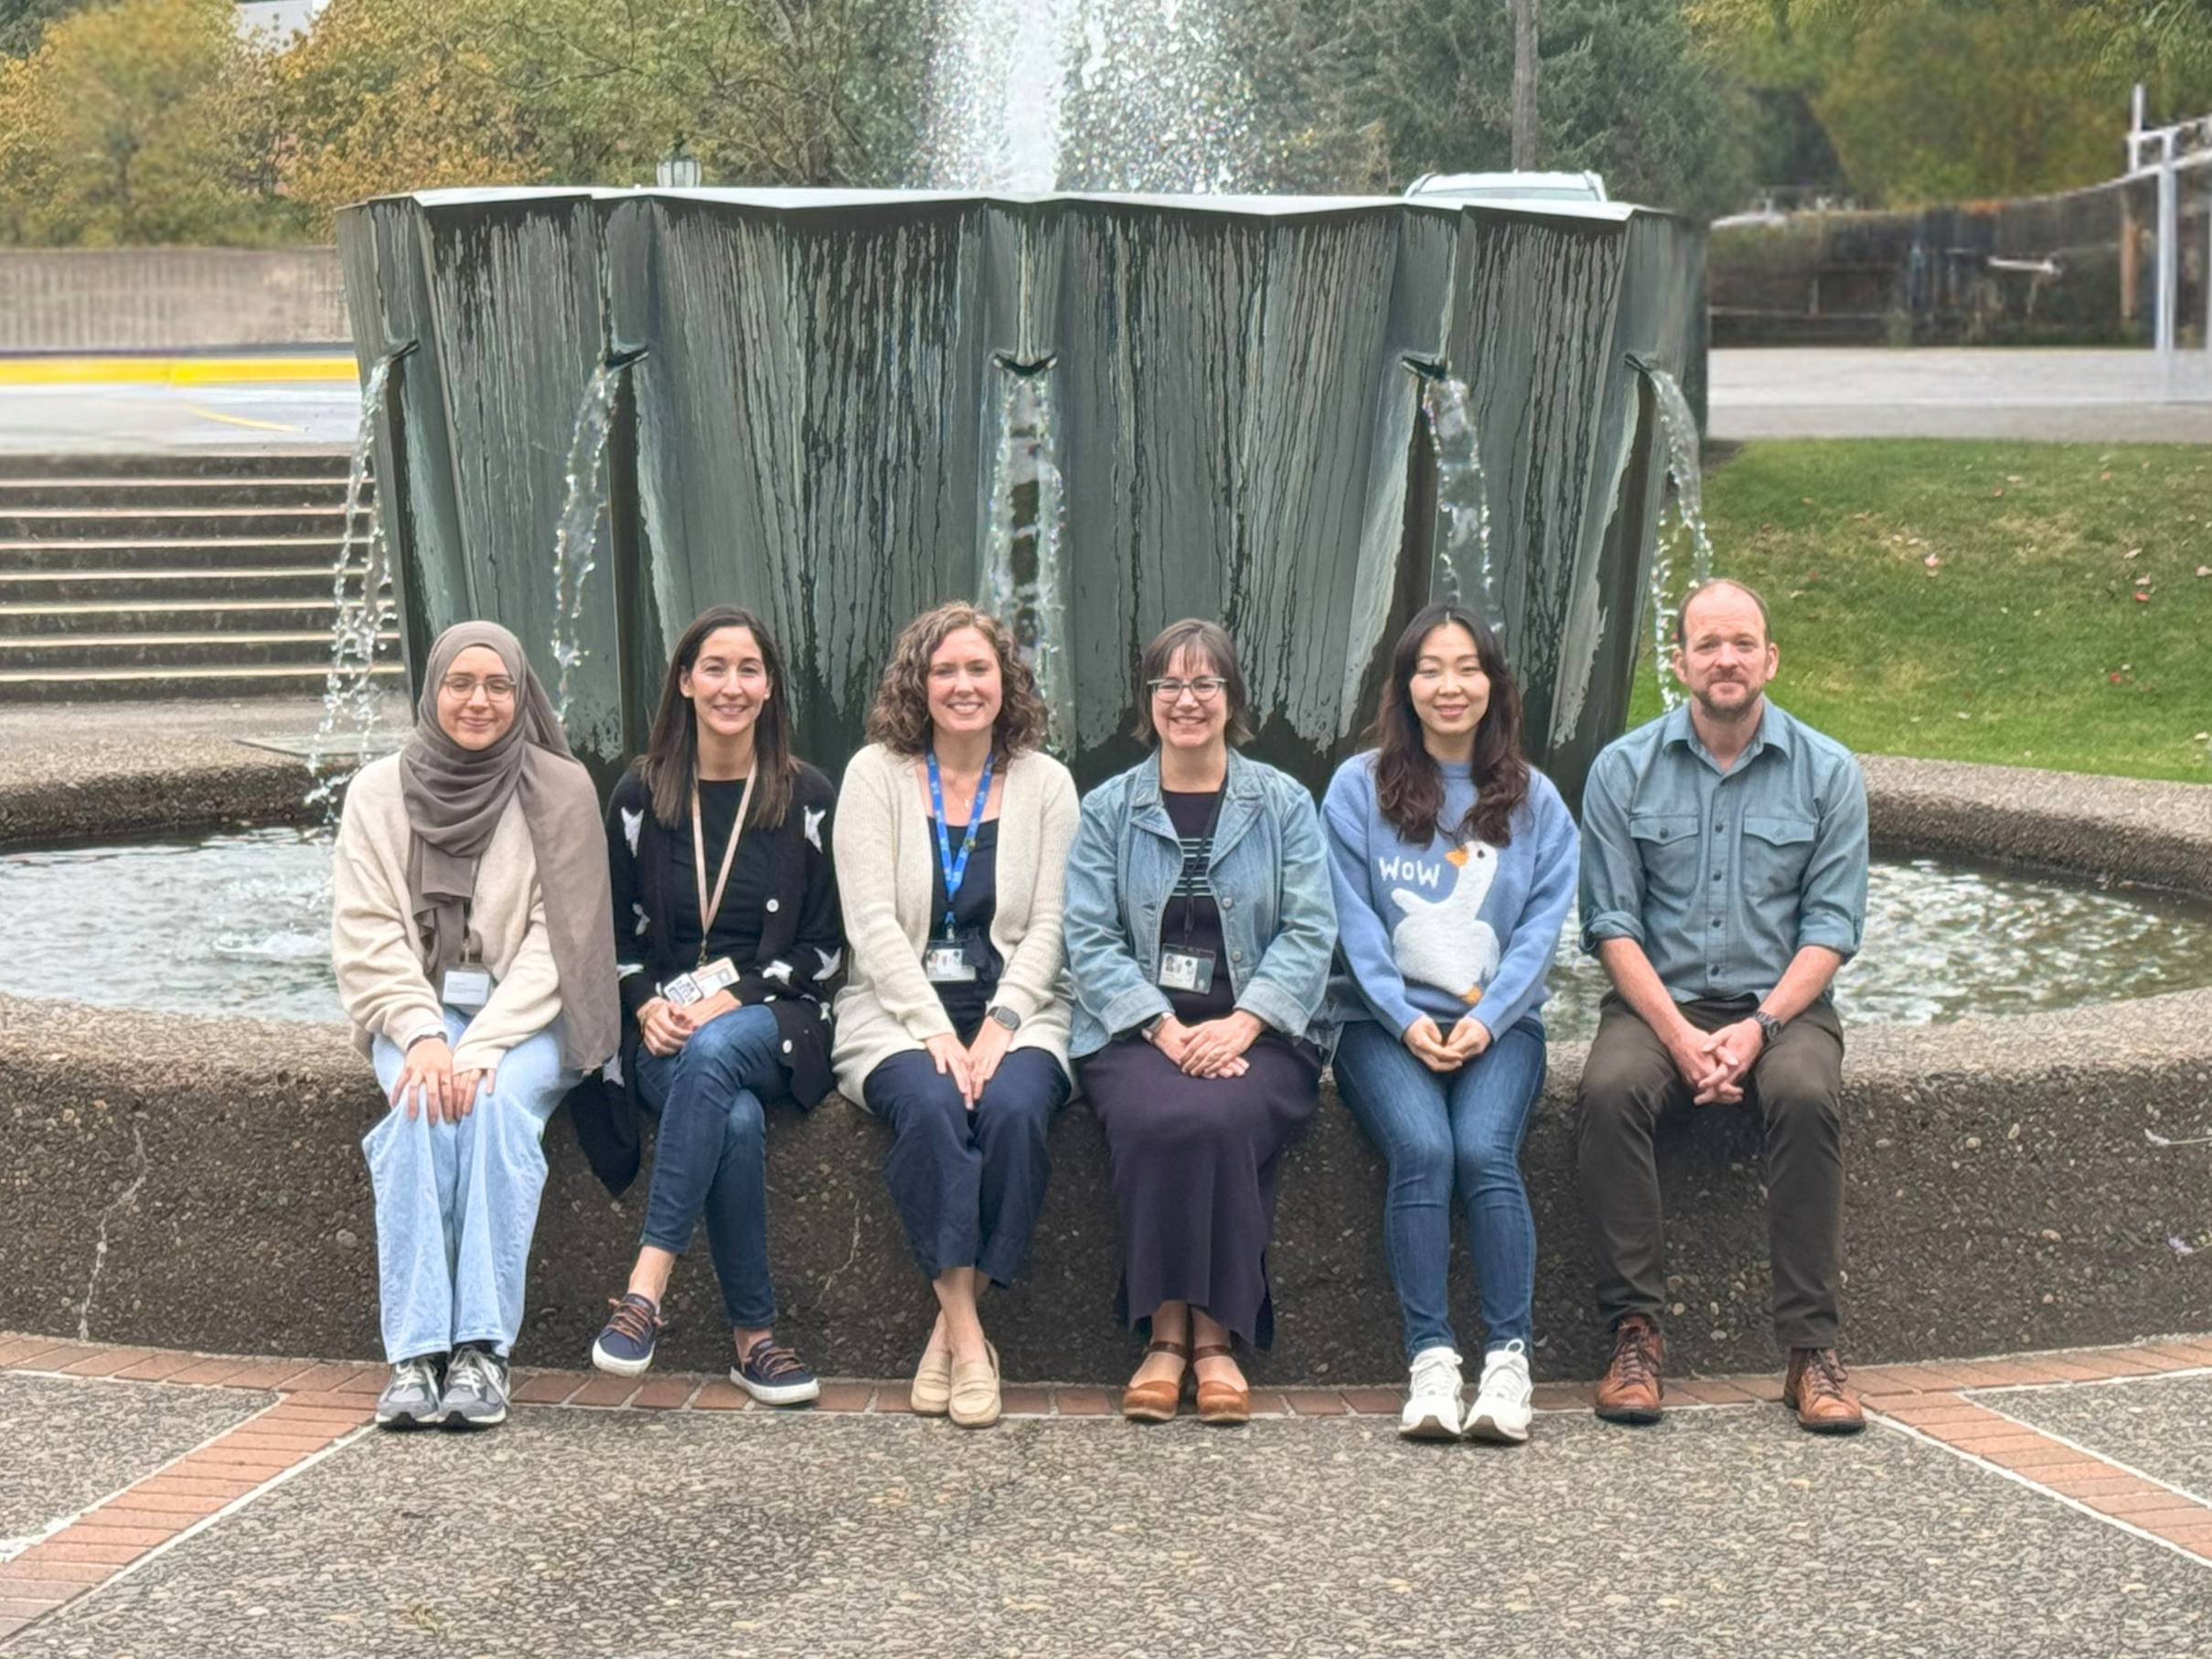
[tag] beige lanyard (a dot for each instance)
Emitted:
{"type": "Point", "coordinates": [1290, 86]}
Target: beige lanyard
{"type": "Point", "coordinates": [709, 908]}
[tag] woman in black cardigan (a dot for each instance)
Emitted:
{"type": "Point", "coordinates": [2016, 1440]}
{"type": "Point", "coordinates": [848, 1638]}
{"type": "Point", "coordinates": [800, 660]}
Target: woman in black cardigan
{"type": "Point", "coordinates": [719, 820]}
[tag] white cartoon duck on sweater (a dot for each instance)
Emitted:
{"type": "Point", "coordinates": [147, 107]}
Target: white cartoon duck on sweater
{"type": "Point", "coordinates": [1444, 942]}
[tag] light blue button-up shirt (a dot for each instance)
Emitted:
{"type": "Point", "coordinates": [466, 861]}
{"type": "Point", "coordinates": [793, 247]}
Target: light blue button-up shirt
{"type": "Point", "coordinates": [1721, 876]}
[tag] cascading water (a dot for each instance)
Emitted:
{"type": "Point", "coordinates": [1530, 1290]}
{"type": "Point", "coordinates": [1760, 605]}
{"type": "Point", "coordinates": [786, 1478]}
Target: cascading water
{"type": "Point", "coordinates": [1137, 95]}
{"type": "Point", "coordinates": [365, 616]}
{"type": "Point", "coordinates": [1021, 576]}
{"type": "Point", "coordinates": [1463, 497]}
{"type": "Point", "coordinates": [1686, 478]}
{"type": "Point", "coordinates": [576, 535]}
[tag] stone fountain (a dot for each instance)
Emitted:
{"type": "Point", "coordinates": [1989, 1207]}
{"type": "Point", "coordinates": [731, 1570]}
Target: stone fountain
{"type": "Point", "coordinates": [813, 423]}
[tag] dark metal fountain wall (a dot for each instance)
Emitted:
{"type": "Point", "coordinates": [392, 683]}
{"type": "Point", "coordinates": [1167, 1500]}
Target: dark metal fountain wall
{"type": "Point", "coordinates": [1236, 386]}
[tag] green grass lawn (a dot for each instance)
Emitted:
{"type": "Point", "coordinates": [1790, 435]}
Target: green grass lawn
{"type": "Point", "coordinates": [2036, 604]}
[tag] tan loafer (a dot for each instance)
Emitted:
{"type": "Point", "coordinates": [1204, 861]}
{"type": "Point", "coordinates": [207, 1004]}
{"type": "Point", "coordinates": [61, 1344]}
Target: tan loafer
{"type": "Point", "coordinates": [932, 1393]}
{"type": "Point", "coordinates": [975, 1391]}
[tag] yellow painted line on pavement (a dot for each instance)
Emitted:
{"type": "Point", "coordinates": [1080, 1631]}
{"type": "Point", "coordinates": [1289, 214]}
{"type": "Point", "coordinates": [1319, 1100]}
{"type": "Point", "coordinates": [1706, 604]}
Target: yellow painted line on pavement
{"type": "Point", "coordinates": [172, 370]}
{"type": "Point", "coordinates": [231, 420]}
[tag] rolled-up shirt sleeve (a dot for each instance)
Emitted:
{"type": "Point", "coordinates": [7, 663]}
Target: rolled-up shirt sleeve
{"type": "Point", "coordinates": [1612, 870]}
{"type": "Point", "coordinates": [1831, 906]}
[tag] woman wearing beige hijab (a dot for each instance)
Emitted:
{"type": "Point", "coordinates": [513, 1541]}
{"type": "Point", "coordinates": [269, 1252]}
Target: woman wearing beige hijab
{"type": "Point", "coordinates": [473, 940]}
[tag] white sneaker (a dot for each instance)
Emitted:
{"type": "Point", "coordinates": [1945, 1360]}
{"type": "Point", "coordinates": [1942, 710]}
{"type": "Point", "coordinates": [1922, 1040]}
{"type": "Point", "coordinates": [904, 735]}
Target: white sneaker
{"type": "Point", "coordinates": [1501, 1411]}
{"type": "Point", "coordinates": [1432, 1401]}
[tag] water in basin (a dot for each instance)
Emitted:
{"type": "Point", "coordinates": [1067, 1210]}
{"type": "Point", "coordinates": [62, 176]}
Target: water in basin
{"type": "Point", "coordinates": [240, 922]}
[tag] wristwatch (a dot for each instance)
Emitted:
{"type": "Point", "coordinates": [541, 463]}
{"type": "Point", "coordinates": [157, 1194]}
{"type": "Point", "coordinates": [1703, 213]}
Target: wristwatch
{"type": "Point", "coordinates": [1769, 1027]}
{"type": "Point", "coordinates": [1006, 1017]}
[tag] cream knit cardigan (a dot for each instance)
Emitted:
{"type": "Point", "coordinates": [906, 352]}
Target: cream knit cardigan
{"type": "Point", "coordinates": [382, 970]}
{"type": "Point", "coordinates": [887, 869]}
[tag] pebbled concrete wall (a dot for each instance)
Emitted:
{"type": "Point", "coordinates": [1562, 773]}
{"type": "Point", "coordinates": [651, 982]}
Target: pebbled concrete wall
{"type": "Point", "coordinates": [2005, 1189]}
{"type": "Point", "coordinates": [162, 299]}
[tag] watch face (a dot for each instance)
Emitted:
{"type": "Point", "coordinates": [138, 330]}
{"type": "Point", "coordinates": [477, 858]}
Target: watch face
{"type": "Point", "coordinates": [1008, 1018]}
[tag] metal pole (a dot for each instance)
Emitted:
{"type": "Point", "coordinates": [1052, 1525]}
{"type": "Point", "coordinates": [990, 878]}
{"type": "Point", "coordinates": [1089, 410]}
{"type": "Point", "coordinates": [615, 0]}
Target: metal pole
{"type": "Point", "coordinates": [1524, 86]}
{"type": "Point", "coordinates": [2169, 253]}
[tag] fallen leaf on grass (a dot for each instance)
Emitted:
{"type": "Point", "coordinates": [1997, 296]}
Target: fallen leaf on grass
{"type": "Point", "coordinates": [2204, 569]}
{"type": "Point", "coordinates": [1933, 561]}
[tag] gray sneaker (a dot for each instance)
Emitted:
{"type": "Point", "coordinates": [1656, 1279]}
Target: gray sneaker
{"type": "Point", "coordinates": [411, 1400]}
{"type": "Point", "coordinates": [476, 1390]}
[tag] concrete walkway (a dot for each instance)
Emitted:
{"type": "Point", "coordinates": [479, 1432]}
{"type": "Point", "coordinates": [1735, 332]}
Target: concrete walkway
{"type": "Point", "coordinates": [167, 1503]}
{"type": "Point", "coordinates": [1959, 392]}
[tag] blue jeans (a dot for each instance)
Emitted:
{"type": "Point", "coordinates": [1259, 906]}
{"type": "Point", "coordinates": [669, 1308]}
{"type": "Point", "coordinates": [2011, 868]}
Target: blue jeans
{"type": "Point", "coordinates": [458, 1203]}
{"type": "Point", "coordinates": [711, 1156]}
{"type": "Point", "coordinates": [1433, 1128]}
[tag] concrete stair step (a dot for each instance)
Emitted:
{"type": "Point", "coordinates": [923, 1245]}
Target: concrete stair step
{"type": "Point", "coordinates": [266, 679]}
{"type": "Point", "coordinates": [302, 646]}
{"type": "Point", "coordinates": [114, 494]}
{"type": "Point", "coordinates": [164, 464]}
{"type": "Point", "coordinates": [159, 555]}
{"type": "Point", "coordinates": [156, 588]}
{"type": "Point", "coordinates": [134, 616]}
{"type": "Point", "coordinates": [124, 523]}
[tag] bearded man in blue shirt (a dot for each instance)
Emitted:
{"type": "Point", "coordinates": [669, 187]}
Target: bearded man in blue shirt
{"type": "Point", "coordinates": [1723, 882]}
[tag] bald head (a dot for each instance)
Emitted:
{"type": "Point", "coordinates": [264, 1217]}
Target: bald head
{"type": "Point", "coordinates": [1712, 590]}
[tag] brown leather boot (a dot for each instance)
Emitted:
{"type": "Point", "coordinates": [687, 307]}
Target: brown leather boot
{"type": "Point", "coordinates": [1628, 1392]}
{"type": "Point", "coordinates": [1817, 1389]}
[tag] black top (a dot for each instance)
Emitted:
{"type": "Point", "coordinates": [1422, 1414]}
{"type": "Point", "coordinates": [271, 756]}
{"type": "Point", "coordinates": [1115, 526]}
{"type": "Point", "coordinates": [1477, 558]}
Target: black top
{"type": "Point", "coordinates": [967, 1000]}
{"type": "Point", "coordinates": [736, 933]}
{"type": "Point", "coordinates": [1192, 920]}
{"type": "Point", "coordinates": [778, 923]}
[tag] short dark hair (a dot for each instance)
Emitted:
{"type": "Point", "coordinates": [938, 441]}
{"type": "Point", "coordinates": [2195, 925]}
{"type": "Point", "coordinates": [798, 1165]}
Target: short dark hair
{"type": "Point", "coordinates": [1206, 639]}
{"type": "Point", "coordinates": [1710, 584]}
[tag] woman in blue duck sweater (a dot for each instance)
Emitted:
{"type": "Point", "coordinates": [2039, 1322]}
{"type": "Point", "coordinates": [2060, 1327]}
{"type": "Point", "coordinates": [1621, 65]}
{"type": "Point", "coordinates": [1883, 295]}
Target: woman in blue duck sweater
{"type": "Point", "coordinates": [1453, 862]}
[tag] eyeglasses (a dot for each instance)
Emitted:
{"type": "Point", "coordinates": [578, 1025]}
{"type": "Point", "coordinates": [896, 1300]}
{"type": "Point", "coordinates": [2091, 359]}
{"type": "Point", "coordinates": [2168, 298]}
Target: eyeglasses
{"type": "Point", "coordinates": [461, 688]}
{"type": "Point", "coordinates": [1205, 688]}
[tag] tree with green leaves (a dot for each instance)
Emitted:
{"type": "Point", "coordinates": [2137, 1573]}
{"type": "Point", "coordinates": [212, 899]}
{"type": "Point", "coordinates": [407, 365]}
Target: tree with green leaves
{"type": "Point", "coordinates": [142, 121]}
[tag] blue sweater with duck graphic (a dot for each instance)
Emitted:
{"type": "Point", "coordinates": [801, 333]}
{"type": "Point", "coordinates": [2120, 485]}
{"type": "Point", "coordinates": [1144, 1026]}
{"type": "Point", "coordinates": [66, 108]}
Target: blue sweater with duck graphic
{"type": "Point", "coordinates": [1453, 926]}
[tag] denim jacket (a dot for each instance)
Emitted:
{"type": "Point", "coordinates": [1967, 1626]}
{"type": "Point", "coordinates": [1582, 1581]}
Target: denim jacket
{"type": "Point", "coordinates": [1270, 877]}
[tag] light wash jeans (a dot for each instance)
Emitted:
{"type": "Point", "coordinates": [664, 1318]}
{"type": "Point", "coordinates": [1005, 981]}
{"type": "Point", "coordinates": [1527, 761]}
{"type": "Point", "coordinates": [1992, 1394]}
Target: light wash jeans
{"type": "Point", "coordinates": [456, 1203]}
{"type": "Point", "coordinates": [1441, 1130]}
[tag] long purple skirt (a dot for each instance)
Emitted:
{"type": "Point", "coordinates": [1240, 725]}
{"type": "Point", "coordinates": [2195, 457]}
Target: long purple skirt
{"type": "Point", "coordinates": [1193, 1162]}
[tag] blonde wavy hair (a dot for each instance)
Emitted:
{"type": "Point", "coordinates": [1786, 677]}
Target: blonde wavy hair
{"type": "Point", "coordinates": [900, 719]}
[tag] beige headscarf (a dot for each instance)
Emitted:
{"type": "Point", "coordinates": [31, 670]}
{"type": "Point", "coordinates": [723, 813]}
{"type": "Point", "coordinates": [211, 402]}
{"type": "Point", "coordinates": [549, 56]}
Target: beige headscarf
{"type": "Point", "coordinates": [455, 797]}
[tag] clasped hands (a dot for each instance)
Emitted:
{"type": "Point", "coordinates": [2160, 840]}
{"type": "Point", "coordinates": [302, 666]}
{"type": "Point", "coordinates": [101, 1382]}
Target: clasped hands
{"type": "Point", "coordinates": [1212, 1048]}
{"type": "Point", "coordinates": [970, 1066]}
{"type": "Point", "coordinates": [1440, 1053]}
{"type": "Point", "coordinates": [664, 1026]}
{"type": "Point", "coordinates": [429, 1083]}
{"type": "Point", "coordinates": [1713, 1063]}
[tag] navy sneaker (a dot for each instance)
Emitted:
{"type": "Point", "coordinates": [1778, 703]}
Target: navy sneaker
{"type": "Point", "coordinates": [772, 1375]}
{"type": "Point", "coordinates": [625, 1347]}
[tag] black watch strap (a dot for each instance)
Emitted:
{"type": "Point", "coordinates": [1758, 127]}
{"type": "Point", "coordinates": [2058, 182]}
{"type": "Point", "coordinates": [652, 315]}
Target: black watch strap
{"type": "Point", "coordinates": [1769, 1027]}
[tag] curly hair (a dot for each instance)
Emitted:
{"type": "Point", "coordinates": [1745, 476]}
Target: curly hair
{"type": "Point", "coordinates": [900, 719]}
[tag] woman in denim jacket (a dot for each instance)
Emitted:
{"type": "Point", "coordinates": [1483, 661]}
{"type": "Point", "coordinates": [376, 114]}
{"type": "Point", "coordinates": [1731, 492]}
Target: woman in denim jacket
{"type": "Point", "coordinates": [1199, 926]}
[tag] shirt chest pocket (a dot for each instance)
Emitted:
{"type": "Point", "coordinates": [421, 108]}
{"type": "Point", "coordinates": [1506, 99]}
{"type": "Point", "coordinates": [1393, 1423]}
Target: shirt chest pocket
{"type": "Point", "coordinates": [1776, 850]}
{"type": "Point", "coordinates": [1667, 844]}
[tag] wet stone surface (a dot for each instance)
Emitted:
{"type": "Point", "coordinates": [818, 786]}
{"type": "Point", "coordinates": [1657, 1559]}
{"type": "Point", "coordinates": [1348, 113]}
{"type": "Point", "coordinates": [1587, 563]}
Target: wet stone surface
{"type": "Point", "coordinates": [2155, 1426]}
{"type": "Point", "coordinates": [66, 1445]}
{"type": "Point", "coordinates": [1719, 1531]}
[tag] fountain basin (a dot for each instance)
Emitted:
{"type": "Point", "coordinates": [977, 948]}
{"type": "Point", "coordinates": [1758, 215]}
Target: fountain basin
{"type": "Point", "coordinates": [2004, 1190]}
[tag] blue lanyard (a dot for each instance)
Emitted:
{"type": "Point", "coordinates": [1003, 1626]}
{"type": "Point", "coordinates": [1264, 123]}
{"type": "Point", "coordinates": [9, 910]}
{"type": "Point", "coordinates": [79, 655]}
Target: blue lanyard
{"type": "Point", "coordinates": [955, 868]}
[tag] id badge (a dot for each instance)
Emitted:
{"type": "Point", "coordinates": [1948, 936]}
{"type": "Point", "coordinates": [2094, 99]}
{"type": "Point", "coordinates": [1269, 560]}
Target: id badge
{"type": "Point", "coordinates": [944, 962]}
{"type": "Point", "coordinates": [468, 988]}
{"type": "Point", "coordinates": [682, 990]}
{"type": "Point", "coordinates": [1191, 970]}
{"type": "Point", "coordinates": [711, 976]}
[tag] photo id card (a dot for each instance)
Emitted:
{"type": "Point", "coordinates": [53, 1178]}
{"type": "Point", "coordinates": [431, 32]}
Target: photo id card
{"type": "Point", "coordinates": [1182, 969]}
{"type": "Point", "coordinates": [944, 962]}
{"type": "Point", "coordinates": [468, 988]}
{"type": "Point", "coordinates": [700, 983]}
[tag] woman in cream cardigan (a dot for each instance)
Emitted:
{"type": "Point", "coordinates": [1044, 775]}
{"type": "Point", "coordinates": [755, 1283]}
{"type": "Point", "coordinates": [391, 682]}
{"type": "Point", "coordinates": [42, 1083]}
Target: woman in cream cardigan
{"type": "Point", "coordinates": [952, 838]}
{"type": "Point", "coordinates": [473, 945]}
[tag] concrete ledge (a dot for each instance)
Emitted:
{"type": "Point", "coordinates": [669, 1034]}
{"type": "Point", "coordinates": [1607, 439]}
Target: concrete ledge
{"type": "Point", "coordinates": [198, 1183]}
{"type": "Point", "coordinates": [2004, 1195]}
{"type": "Point", "coordinates": [116, 790]}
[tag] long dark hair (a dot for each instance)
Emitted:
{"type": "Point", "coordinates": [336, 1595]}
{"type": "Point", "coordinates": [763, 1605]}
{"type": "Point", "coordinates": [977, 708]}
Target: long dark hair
{"type": "Point", "coordinates": [1409, 787]}
{"type": "Point", "coordinates": [670, 763]}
